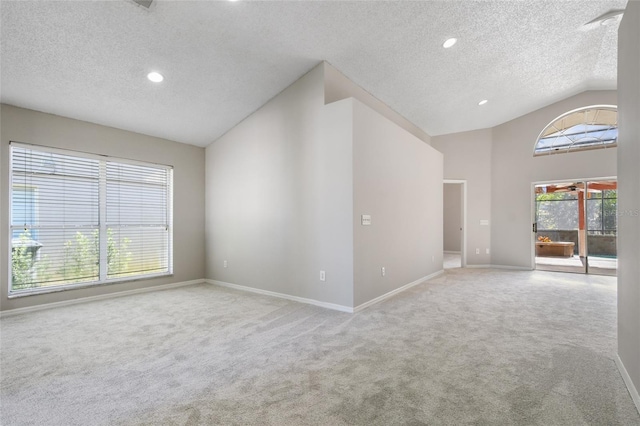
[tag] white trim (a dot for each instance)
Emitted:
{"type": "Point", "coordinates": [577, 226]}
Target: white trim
{"type": "Point", "coordinates": [627, 380]}
{"type": "Point", "coordinates": [463, 236]}
{"type": "Point", "coordinates": [327, 305]}
{"type": "Point", "coordinates": [451, 252]}
{"type": "Point", "coordinates": [396, 291]}
{"type": "Point", "coordinates": [566, 114]}
{"type": "Point", "coordinates": [45, 306]}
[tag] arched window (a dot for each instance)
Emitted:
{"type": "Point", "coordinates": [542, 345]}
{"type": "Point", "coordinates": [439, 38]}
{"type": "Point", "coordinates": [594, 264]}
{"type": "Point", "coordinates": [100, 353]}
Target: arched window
{"type": "Point", "coordinates": [581, 129]}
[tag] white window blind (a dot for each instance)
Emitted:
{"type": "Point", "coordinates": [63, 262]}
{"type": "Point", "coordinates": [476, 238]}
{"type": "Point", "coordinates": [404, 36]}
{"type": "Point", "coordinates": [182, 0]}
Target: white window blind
{"type": "Point", "coordinates": [80, 219]}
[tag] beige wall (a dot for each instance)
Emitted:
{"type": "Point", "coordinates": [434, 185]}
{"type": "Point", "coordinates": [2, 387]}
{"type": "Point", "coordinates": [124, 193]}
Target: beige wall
{"type": "Point", "coordinates": [514, 169]}
{"type": "Point", "coordinates": [629, 190]}
{"type": "Point", "coordinates": [279, 197]}
{"type": "Point", "coordinates": [29, 126]}
{"type": "Point", "coordinates": [467, 156]}
{"type": "Point", "coordinates": [452, 217]}
{"type": "Point", "coordinates": [397, 179]}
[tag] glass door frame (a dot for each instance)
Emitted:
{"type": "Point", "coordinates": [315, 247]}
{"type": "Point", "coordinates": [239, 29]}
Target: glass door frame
{"type": "Point", "coordinates": [582, 249]}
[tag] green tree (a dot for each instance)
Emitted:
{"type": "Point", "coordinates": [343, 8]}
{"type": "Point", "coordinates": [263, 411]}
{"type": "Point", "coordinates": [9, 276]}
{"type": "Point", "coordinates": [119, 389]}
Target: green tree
{"type": "Point", "coordinates": [82, 256]}
{"type": "Point", "coordinates": [81, 260]}
{"type": "Point", "coordinates": [118, 257]}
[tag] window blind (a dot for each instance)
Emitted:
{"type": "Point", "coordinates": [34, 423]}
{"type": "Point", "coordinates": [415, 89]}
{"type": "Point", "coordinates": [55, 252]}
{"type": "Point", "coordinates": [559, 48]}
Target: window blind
{"type": "Point", "coordinates": [79, 219]}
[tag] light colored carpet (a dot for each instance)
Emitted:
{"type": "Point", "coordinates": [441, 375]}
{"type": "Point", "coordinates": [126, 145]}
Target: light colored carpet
{"type": "Point", "coordinates": [479, 347]}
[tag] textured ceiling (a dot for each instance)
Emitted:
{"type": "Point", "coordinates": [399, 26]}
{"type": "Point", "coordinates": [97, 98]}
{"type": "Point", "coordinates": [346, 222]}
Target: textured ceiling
{"type": "Point", "coordinates": [223, 60]}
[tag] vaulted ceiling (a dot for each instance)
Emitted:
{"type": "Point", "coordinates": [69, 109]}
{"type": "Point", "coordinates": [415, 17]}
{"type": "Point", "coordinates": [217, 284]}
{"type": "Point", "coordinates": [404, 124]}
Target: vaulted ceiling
{"type": "Point", "coordinates": [222, 60]}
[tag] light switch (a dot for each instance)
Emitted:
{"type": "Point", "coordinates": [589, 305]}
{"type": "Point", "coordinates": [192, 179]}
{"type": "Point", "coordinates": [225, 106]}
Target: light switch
{"type": "Point", "coordinates": [366, 219]}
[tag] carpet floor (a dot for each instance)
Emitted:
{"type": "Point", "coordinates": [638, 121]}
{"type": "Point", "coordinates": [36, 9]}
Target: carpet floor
{"type": "Point", "coordinates": [477, 347]}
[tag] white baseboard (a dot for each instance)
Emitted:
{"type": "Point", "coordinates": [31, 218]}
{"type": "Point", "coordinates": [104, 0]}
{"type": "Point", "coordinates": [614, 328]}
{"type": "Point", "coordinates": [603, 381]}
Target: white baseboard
{"type": "Point", "coordinates": [44, 306]}
{"type": "Point", "coordinates": [396, 291]}
{"type": "Point", "coordinates": [627, 380]}
{"type": "Point", "coordinates": [328, 305]}
{"type": "Point", "coordinates": [452, 252]}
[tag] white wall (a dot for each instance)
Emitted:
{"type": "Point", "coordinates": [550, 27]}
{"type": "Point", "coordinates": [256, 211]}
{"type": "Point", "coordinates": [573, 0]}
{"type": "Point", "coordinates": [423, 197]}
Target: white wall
{"type": "Point", "coordinates": [283, 188]}
{"type": "Point", "coordinates": [279, 197]}
{"type": "Point", "coordinates": [398, 181]}
{"type": "Point", "coordinates": [467, 156]}
{"type": "Point", "coordinates": [514, 169]}
{"type": "Point", "coordinates": [629, 194]}
{"type": "Point", "coordinates": [22, 125]}
{"type": "Point", "coordinates": [452, 217]}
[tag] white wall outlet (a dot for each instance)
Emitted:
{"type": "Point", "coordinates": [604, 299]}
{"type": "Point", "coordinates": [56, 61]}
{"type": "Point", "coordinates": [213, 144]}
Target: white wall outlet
{"type": "Point", "coordinates": [383, 271]}
{"type": "Point", "coordinates": [224, 263]}
{"type": "Point", "coordinates": [323, 277]}
{"type": "Point", "coordinates": [487, 251]}
{"type": "Point", "coordinates": [365, 219]}
{"type": "Point", "coordinates": [477, 251]}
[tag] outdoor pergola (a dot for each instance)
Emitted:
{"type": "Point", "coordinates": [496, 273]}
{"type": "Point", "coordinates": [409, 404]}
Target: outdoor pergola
{"type": "Point", "coordinates": [580, 189]}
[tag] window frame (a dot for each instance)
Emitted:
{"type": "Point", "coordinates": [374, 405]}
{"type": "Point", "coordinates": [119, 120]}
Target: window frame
{"type": "Point", "coordinates": [102, 225]}
{"type": "Point", "coordinates": [578, 148]}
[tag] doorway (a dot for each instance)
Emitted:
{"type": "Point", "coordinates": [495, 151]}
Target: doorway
{"type": "Point", "coordinates": [575, 226]}
{"type": "Point", "coordinates": [454, 224]}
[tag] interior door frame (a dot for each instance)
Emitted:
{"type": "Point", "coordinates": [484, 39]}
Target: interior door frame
{"type": "Point", "coordinates": [463, 236]}
{"type": "Point", "coordinates": [532, 198]}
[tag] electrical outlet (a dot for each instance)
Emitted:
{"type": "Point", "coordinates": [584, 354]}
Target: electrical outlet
{"type": "Point", "coordinates": [477, 251]}
{"type": "Point", "coordinates": [322, 276]}
{"type": "Point", "coordinates": [487, 251]}
{"type": "Point", "coordinates": [383, 271]}
{"type": "Point", "coordinates": [224, 263]}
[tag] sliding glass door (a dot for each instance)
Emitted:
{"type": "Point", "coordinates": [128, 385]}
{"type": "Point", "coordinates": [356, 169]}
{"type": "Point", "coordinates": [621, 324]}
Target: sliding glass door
{"type": "Point", "coordinates": [601, 209]}
{"type": "Point", "coordinates": [575, 227]}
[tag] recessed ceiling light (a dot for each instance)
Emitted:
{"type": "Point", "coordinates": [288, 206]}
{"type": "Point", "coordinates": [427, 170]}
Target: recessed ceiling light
{"type": "Point", "coordinates": [156, 77]}
{"type": "Point", "coordinates": [482, 102]}
{"type": "Point", "coordinates": [447, 44]}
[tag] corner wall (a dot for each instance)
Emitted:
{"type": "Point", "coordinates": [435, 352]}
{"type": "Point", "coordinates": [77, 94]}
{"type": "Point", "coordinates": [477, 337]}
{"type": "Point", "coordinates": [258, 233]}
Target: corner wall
{"type": "Point", "coordinates": [397, 180]}
{"type": "Point", "coordinates": [23, 125]}
{"type": "Point", "coordinates": [286, 187]}
{"type": "Point", "coordinates": [279, 198]}
{"type": "Point", "coordinates": [629, 198]}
